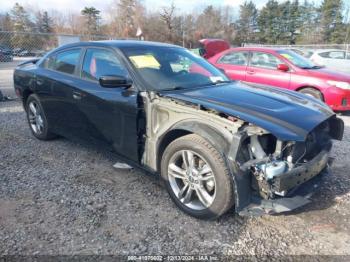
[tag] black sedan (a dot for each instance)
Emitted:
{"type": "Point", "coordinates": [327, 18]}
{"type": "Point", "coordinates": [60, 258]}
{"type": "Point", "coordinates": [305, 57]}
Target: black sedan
{"type": "Point", "coordinates": [216, 144]}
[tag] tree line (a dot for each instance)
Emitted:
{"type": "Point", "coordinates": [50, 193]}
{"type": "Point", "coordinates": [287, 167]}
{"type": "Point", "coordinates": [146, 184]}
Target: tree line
{"type": "Point", "coordinates": [288, 22]}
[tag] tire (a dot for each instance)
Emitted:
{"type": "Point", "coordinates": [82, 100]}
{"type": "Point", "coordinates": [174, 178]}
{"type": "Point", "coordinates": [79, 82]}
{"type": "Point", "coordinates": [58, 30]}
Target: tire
{"type": "Point", "coordinates": [312, 92]}
{"type": "Point", "coordinates": [217, 183]}
{"type": "Point", "coordinates": [37, 121]}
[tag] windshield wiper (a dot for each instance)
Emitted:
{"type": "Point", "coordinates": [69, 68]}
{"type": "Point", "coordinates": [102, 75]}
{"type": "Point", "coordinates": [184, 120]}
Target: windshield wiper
{"type": "Point", "coordinates": [173, 88]}
{"type": "Point", "coordinates": [312, 67]}
{"type": "Point", "coordinates": [222, 82]}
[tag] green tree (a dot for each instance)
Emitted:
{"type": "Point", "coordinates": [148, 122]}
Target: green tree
{"type": "Point", "coordinates": [23, 27]}
{"type": "Point", "coordinates": [310, 24]}
{"type": "Point", "coordinates": [269, 23]}
{"type": "Point", "coordinates": [20, 19]}
{"type": "Point", "coordinates": [92, 18]}
{"type": "Point", "coordinates": [332, 26]}
{"type": "Point", "coordinates": [290, 21]}
{"type": "Point", "coordinates": [247, 24]}
{"type": "Point", "coordinates": [44, 23]}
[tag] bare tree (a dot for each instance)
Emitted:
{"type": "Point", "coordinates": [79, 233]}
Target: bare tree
{"type": "Point", "coordinates": [167, 16]}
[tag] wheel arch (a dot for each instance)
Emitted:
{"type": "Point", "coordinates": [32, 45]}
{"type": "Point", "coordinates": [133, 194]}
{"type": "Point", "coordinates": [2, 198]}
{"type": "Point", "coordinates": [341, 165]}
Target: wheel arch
{"type": "Point", "coordinates": [312, 87]}
{"type": "Point", "coordinates": [26, 93]}
{"type": "Point", "coordinates": [215, 137]}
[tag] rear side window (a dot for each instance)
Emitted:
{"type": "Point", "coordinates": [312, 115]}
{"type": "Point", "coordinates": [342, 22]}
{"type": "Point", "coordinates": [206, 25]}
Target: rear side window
{"type": "Point", "coordinates": [235, 58]}
{"type": "Point", "coordinates": [264, 60]}
{"type": "Point", "coordinates": [333, 54]}
{"type": "Point", "coordinates": [67, 61]}
{"type": "Point", "coordinates": [101, 62]}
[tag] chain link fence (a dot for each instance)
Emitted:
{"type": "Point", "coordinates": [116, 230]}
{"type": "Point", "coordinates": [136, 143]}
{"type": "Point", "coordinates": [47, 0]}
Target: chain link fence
{"type": "Point", "coordinates": [24, 44]}
{"type": "Point", "coordinates": [305, 47]}
{"type": "Point", "coordinates": [17, 47]}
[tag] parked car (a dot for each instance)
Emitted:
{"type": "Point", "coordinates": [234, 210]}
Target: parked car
{"type": "Point", "coordinates": [26, 53]}
{"type": "Point", "coordinates": [5, 54]}
{"type": "Point", "coordinates": [16, 51]}
{"type": "Point", "coordinates": [333, 59]}
{"type": "Point", "coordinates": [286, 69]}
{"type": "Point", "coordinates": [211, 47]}
{"type": "Point", "coordinates": [215, 143]}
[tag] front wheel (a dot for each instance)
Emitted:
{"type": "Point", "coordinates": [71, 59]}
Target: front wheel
{"type": "Point", "coordinates": [312, 92]}
{"type": "Point", "coordinates": [196, 177]}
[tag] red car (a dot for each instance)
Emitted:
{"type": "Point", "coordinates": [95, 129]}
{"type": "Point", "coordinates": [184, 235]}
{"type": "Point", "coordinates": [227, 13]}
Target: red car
{"type": "Point", "coordinates": [211, 47]}
{"type": "Point", "coordinates": [286, 69]}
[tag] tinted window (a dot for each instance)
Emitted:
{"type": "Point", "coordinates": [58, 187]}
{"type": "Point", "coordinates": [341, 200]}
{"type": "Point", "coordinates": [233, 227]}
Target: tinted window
{"type": "Point", "coordinates": [67, 61]}
{"type": "Point", "coordinates": [49, 62]}
{"type": "Point", "coordinates": [101, 62]}
{"type": "Point", "coordinates": [235, 58]}
{"type": "Point", "coordinates": [264, 60]}
{"type": "Point", "coordinates": [333, 54]}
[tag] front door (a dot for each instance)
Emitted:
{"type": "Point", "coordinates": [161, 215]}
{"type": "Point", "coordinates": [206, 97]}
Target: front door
{"type": "Point", "coordinates": [111, 113]}
{"type": "Point", "coordinates": [263, 70]}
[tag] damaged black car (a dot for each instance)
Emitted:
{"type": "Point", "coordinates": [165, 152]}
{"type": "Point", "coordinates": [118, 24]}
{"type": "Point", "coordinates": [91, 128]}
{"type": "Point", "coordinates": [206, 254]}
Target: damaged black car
{"type": "Point", "coordinates": [217, 144]}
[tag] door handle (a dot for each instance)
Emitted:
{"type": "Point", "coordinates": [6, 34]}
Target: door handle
{"type": "Point", "coordinates": [77, 95]}
{"type": "Point", "coordinates": [39, 82]}
{"type": "Point", "coordinates": [251, 72]}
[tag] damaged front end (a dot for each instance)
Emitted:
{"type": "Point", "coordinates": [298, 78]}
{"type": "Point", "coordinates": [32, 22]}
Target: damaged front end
{"type": "Point", "coordinates": [277, 169]}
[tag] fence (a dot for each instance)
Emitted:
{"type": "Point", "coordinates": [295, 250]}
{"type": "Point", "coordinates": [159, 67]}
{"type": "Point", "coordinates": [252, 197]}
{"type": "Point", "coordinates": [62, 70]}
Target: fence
{"type": "Point", "coordinates": [312, 47]}
{"type": "Point", "coordinates": [27, 44]}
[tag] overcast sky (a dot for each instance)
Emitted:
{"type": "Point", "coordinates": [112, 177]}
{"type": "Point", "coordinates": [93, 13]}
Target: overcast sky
{"type": "Point", "coordinates": [76, 5]}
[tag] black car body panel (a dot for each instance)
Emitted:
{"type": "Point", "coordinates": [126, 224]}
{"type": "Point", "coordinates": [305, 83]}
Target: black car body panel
{"type": "Point", "coordinates": [288, 115]}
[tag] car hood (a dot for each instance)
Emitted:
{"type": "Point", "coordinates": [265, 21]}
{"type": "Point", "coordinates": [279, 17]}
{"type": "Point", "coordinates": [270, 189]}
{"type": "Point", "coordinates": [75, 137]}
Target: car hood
{"type": "Point", "coordinates": [288, 115]}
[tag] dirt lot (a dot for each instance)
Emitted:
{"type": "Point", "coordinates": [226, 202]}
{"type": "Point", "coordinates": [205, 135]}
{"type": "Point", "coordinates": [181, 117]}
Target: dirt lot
{"type": "Point", "coordinates": [60, 197]}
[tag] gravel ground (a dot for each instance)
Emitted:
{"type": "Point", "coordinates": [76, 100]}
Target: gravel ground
{"type": "Point", "coordinates": [60, 197]}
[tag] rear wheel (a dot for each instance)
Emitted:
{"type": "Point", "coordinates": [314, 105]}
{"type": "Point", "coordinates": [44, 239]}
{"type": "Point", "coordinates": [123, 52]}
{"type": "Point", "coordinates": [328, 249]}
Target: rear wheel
{"type": "Point", "coordinates": [37, 120]}
{"type": "Point", "coordinates": [309, 91]}
{"type": "Point", "coordinates": [196, 177]}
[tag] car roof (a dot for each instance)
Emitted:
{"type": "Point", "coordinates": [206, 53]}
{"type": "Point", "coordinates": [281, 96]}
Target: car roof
{"type": "Point", "coordinates": [118, 44]}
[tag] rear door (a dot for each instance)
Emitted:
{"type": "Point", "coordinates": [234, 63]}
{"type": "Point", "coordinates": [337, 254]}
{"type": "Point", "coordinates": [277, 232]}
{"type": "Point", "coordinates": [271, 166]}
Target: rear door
{"type": "Point", "coordinates": [61, 79]}
{"type": "Point", "coordinates": [262, 69]}
{"type": "Point", "coordinates": [234, 64]}
{"type": "Point", "coordinates": [111, 113]}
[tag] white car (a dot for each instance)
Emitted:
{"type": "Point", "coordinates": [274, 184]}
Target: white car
{"type": "Point", "coordinates": [335, 59]}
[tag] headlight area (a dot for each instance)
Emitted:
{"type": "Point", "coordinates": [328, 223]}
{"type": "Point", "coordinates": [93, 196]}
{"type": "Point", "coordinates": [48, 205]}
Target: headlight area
{"type": "Point", "coordinates": [277, 168]}
{"type": "Point", "coordinates": [339, 84]}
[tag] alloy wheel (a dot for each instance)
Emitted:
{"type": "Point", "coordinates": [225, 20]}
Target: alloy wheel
{"type": "Point", "coordinates": [36, 119]}
{"type": "Point", "coordinates": [191, 179]}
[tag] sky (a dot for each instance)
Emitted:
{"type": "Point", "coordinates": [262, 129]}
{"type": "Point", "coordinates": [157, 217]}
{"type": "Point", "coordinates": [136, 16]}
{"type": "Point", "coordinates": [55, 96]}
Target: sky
{"type": "Point", "coordinates": [186, 6]}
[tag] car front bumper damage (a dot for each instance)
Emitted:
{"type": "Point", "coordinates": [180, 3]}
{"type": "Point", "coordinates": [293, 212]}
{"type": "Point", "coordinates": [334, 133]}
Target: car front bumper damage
{"type": "Point", "coordinates": [300, 182]}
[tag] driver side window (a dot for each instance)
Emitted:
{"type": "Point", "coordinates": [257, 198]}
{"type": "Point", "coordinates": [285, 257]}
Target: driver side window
{"type": "Point", "coordinates": [101, 62]}
{"type": "Point", "coordinates": [264, 60]}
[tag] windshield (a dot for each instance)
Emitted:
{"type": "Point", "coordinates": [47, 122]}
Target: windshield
{"type": "Point", "coordinates": [170, 68]}
{"type": "Point", "coordinates": [297, 59]}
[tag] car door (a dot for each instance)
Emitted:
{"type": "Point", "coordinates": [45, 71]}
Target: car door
{"type": "Point", "coordinates": [111, 113]}
{"type": "Point", "coordinates": [262, 69]}
{"type": "Point", "coordinates": [60, 106]}
{"type": "Point", "coordinates": [234, 64]}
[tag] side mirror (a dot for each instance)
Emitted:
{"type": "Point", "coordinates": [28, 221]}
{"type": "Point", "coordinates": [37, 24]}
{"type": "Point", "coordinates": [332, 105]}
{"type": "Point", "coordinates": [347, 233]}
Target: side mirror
{"type": "Point", "coordinates": [282, 67]}
{"type": "Point", "coordinates": [111, 81]}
